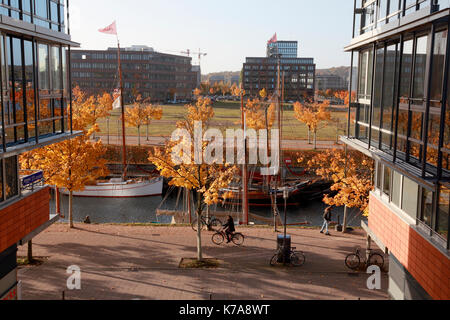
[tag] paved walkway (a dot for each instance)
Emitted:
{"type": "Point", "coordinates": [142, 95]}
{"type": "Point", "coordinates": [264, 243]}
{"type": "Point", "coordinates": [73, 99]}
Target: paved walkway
{"type": "Point", "coordinates": [128, 262]}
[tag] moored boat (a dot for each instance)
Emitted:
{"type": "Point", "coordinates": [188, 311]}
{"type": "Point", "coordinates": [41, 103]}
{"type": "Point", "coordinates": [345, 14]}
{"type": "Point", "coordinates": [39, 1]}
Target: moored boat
{"type": "Point", "coordinates": [117, 188]}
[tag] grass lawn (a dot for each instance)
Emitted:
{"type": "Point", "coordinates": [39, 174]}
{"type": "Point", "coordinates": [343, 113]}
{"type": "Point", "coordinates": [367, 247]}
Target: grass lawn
{"type": "Point", "coordinates": [227, 116]}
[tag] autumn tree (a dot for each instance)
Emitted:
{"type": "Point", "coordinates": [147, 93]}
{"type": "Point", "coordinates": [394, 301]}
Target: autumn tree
{"type": "Point", "coordinates": [194, 165]}
{"type": "Point", "coordinates": [259, 115]}
{"type": "Point", "coordinates": [263, 93]}
{"type": "Point", "coordinates": [352, 175]}
{"type": "Point", "coordinates": [314, 115]}
{"type": "Point", "coordinates": [224, 88]}
{"type": "Point", "coordinates": [141, 114]}
{"type": "Point", "coordinates": [73, 164]}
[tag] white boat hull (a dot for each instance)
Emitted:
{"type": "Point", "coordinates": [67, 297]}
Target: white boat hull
{"type": "Point", "coordinates": [122, 190]}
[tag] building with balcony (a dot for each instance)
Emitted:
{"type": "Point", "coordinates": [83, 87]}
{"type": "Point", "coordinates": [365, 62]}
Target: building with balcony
{"type": "Point", "coordinates": [152, 74]}
{"type": "Point", "coordinates": [298, 73]}
{"type": "Point", "coordinates": [35, 101]}
{"type": "Point", "coordinates": [401, 120]}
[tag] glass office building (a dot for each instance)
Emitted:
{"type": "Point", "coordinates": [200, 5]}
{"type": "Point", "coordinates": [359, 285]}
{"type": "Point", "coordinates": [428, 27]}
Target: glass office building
{"type": "Point", "coordinates": [287, 49]}
{"type": "Point", "coordinates": [35, 112]}
{"type": "Point", "coordinates": [401, 118]}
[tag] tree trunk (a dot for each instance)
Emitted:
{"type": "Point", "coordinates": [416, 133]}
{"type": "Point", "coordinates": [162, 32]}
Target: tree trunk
{"type": "Point", "coordinates": [139, 136]}
{"type": "Point", "coordinates": [309, 136]}
{"type": "Point", "coordinates": [344, 224]}
{"type": "Point", "coordinates": [147, 132]}
{"type": "Point", "coordinates": [30, 251]}
{"type": "Point", "coordinates": [199, 227]}
{"type": "Point", "coordinates": [70, 209]}
{"type": "Point", "coordinates": [315, 140]}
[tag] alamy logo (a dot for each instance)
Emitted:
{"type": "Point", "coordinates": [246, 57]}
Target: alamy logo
{"type": "Point", "coordinates": [374, 281]}
{"type": "Point", "coordinates": [213, 153]}
{"type": "Point", "coordinates": [74, 281]}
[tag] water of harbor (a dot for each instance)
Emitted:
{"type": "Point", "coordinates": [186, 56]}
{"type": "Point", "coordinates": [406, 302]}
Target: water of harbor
{"type": "Point", "coordinates": [143, 210]}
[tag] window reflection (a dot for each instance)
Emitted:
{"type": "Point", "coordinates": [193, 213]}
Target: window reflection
{"type": "Point", "coordinates": [443, 212]}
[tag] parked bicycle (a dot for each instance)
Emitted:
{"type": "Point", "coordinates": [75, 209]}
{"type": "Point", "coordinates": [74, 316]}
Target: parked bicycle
{"type": "Point", "coordinates": [219, 237]}
{"type": "Point", "coordinates": [353, 260]}
{"type": "Point", "coordinates": [211, 223]}
{"type": "Point", "coordinates": [297, 259]}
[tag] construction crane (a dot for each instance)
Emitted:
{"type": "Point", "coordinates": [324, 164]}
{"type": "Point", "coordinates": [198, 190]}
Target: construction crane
{"type": "Point", "coordinates": [200, 54]}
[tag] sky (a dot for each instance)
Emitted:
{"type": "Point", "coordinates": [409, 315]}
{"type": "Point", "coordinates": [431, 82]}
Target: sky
{"type": "Point", "coordinates": [228, 31]}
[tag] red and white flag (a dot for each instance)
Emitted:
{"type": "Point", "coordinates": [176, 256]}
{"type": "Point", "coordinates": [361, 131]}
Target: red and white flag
{"type": "Point", "coordinates": [273, 39]}
{"type": "Point", "coordinates": [117, 101]}
{"type": "Point", "coordinates": [111, 29]}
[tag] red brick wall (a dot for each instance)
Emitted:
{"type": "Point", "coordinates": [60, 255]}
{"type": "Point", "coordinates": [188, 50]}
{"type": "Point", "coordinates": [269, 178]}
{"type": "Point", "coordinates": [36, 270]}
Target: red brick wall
{"type": "Point", "coordinates": [423, 261]}
{"type": "Point", "coordinates": [23, 217]}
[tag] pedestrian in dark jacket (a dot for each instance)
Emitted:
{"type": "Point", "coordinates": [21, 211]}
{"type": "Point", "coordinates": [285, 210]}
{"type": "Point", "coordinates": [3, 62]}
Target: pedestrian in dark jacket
{"type": "Point", "coordinates": [229, 229]}
{"type": "Point", "coordinates": [326, 220]}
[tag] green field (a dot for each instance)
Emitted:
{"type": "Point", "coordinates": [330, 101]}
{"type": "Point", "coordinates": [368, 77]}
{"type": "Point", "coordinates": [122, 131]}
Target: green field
{"type": "Point", "coordinates": [227, 116]}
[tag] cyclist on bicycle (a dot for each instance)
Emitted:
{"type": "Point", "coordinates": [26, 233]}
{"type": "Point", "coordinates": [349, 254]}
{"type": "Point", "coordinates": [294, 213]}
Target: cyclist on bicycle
{"type": "Point", "coordinates": [228, 228]}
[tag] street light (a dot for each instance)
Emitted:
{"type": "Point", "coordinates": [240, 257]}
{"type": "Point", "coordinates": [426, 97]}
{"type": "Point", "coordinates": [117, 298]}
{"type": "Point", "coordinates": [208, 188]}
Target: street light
{"type": "Point", "coordinates": [285, 249]}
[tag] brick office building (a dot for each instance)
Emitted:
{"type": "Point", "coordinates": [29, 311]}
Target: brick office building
{"type": "Point", "coordinates": [401, 49]}
{"type": "Point", "coordinates": [299, 76]}
{"type": "Point", "coordinates": [155, 75]}
{"type": "Point", "coordinates": [35, 113]}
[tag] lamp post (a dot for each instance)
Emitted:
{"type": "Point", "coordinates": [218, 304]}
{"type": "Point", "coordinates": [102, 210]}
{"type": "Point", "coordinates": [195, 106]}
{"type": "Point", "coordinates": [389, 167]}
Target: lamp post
{"type": "Point", "coordinates": [285, 249]}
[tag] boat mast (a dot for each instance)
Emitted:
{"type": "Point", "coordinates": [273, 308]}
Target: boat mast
{"type": "Point", "coordinates": [124, 150]}
{"type": "Point", "coordinates": [245, 206]}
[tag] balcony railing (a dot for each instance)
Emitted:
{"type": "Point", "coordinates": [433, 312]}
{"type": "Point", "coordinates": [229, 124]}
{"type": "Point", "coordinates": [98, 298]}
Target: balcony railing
{"type": "Point", "coordinates": [371, 14]}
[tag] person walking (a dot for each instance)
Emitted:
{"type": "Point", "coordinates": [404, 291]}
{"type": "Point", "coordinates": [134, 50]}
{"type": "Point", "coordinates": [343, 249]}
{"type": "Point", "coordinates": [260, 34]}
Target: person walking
{"type": "Point", "coordinates": [326, 220]}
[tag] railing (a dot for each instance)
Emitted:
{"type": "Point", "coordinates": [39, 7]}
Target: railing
{"type": "Point", "coordinates": [432, 234]}
{"type": "Point", "coordinates": [371, 14]}
{"type": "Point", "coordinates": [30, 179]}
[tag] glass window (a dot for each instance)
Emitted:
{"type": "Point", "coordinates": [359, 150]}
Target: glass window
{"type": "Point", "coordinates": [378, 88]}
{"type": "Point", "coordinates": [420, 68]}
{"type": "Point", "coordinates": [41, 8]}
{"type": "Point", "coordinates": [17, 75]}
{"type": "Point", "coordinates": [379, 174]}
{"type": "Point", "coordinates": [56, 69]}
{"type": "Point", "coordinates": [44, 72]}
{"type": "Point", "coordinates": [387, 181]}
{"type": "Point", "coordinates": [396, 188]}
{"type": "Point", "coordinates": [389, 86]}
{"type": "Point", "coordinates": [410, 197]}
{"type": "Point", "coordinates": [406, 70]}
{"type": "Point", "coordinates": [442, 220]}
{"type": "Point", "coordinates": [427, 207]}
{"type": "Point", "coordinates": [11, 179]}
{"type": "Point", "coordinates": [29, 87]}
{"type": "Point", "coordinates": [440, 47]}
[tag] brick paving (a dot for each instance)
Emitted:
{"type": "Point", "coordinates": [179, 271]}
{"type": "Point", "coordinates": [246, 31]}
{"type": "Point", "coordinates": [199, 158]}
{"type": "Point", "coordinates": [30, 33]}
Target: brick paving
{"type": "Point", "coordinates": [140, 262]}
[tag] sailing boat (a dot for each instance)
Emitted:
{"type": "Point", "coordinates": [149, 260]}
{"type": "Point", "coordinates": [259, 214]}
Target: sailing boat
{"type": "Point", "coordinates": [122, 187]}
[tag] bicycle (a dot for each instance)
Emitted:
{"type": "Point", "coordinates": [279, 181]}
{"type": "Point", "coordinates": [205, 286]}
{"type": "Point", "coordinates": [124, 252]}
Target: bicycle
{"type": "Point", "coordinates": [353, 260]}
{"type": "Point", "coordinates": [297, 258]}
{"type": "Point", "coordinates": [210, 222]}
{"type": "Point", "coordinates": [219, 237]}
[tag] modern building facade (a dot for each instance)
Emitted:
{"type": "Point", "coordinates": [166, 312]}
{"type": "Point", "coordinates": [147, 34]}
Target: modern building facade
{"type": "Point", "coordinates": [152, 74]}
{"type": "Point", "coordinates": [35, 101]}
{"type": "Point", "coordinates": [287, 49]}
{"type": "Point", "coordinates": [330, 82]}
{"type": "Point", "coordinates": [298, 73]}
{"type": "Point", "coordinates": [402, 112]}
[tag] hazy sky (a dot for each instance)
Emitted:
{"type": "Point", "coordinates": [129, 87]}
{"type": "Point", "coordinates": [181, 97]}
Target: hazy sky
{"type": "Point", "coordinates": [227, 30]}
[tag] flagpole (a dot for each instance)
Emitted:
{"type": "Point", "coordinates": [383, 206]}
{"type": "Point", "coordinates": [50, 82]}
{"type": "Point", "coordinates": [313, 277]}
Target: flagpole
{"type": "Point", "coordinates": [124, 151]}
